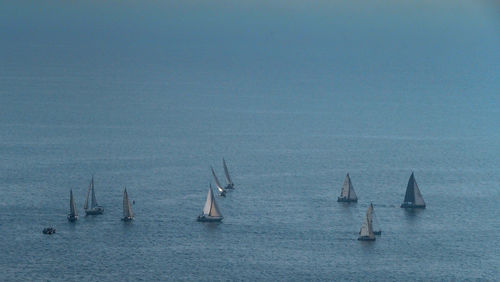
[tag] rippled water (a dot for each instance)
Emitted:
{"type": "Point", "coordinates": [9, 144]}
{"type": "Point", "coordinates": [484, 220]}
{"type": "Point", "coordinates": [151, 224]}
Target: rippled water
{"type": "Point", "coordinates": [290, 124]}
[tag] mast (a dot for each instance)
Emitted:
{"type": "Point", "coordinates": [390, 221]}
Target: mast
{"type": "Point", "coordinates": [86, 205]}
{"type": "Point", "coordinates": [94, 200]}
{"type": "Point", "coordinates": [226, 172]}
{"type": "Point", "coordinates": [217, 183]}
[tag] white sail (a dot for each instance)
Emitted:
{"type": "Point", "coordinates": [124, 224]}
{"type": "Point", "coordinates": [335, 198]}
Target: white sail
{"type": "Point", "coordinates": [352, 194]}
{"type": "Point", "coordinates": [226, 172]}
{"type": "Point", "coordinates": [367, 228]}
{"type": "Point", "coordinates": [348, 189]}
{"type": "Point", "coordinates": [214, 209]}
{"type": "Point", "coordinates": [93, 203]}
{"type": "Point", "coordinates": [419, 200]}
{"type": "Point", "coordinates": [345, 187]}
{"type": "Point", "coordinates": [86, 205]}
{"type": "Point", "coordinates": [72, 206]}
{"type": "Point", "coordinates": [217, 183]}
{"type": "Point", "coordinates": [127, 209]}
{"type": "Point", "coordinates": [208, 203]}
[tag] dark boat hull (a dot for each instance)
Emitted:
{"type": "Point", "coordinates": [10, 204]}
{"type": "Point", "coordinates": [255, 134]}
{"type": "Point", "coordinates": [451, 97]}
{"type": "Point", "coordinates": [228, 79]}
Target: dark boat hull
{"type": "Point", "coordinates": [49, 230]}
{"type": "Point", "coordinates": [127, 218]}
{"type": "Point", "coordinates": [72, 218]}
{"type": "Point", "coordinates": [229, 186]}
{"type": "Point", "coordinates": [95, 211]}
{"type": "Point", "coordinates": [202, 218]}
{"type": "Point", "coordinates": [412, 206]}
{"type": "Point", "coordinates": [366, 238]}
{"type": "Point", "coordinates": [346, 200]}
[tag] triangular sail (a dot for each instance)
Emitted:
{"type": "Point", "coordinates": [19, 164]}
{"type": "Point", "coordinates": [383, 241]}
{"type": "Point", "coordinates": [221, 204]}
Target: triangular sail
{"type": "Point", "coordinates": [348, 189]}
{"type": "Point", "coordinates": [226, 172]}
{"type": "Point", "coordinates": [419, 200]}
{"type": "Point", "coordinates": [94, 200]}
{"type": "Point", "coordinates": [208, 202]}
{"type": "Point", "coordinates": [214, 209]}
{"type": "Point", "coordinates": [367, 228]}
{"type": "Point", "coordinates": [413, 194]}
{"type": "Point", "coordinates": [217, 183]}
{"type": "Point", "coordinates": [410, 191]}
{"type": "Point", "coordinates": [352, 194]}
{"type": "Point", "coordinates": [127, 209]}
{"type": "Point", "coordinates": [86, 205]}
{"type": "Point", "coordinates": [72, 206]}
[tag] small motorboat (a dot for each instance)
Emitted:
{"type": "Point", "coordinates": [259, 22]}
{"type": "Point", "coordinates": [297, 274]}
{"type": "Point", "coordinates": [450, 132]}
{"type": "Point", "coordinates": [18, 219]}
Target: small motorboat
{"type": "Point", "coordinates": [49, 230]}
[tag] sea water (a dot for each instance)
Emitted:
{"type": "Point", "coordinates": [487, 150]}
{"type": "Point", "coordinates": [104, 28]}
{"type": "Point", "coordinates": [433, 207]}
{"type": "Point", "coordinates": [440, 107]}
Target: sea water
{"type": "Point", "coordinates": [293, 96]}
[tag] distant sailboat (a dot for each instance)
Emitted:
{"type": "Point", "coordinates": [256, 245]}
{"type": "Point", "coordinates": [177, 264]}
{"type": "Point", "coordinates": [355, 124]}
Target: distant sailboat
{"type": "Point", "coordinates": [230, 184]}
{"type": "Point", "coordinates": [347, 194]}
{"type": "Point", "coordinates": [73, 214]}
{"type": "Point", "coordinates": [128, 214]}
{"type": "Point", "coordinates": [366, 232]}
{"type": "Point", "coordinates": [221, 190]}
{"type": "Point", "coordinates": [413, 198]}
{"type": "Point", "coordinates": [211, 211]}
{"type": "Point", "coordinates": [94, 207]}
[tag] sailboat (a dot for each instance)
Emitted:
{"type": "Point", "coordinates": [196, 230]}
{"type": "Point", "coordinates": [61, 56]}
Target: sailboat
{"type": "Point", "coordinates": [94, 207]}
{"type": "Point", "coordinates": [230, 184]}
{"type": "Point", "coordinates": [73, 214]}
{"type": "Point", "coordinates": [376, 224]}
{"type": "Point", "coordinates": [211, 211]}
{"type": "Point", "coordinates": [366, 232]}
{"type": "Point", "coordinates": [347, 195]}
{"type": "Point", "coordinates": [413, 198]}
{"type": "Point", "coordinates": [221, 190]}
{"type": "Point", "coordinates": [128, 214]}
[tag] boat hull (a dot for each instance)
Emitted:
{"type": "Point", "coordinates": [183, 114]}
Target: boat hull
{"type": "Point", "coordinates": [229, 186]}
{"type": "Point", "coordinates": [366, 238]}
{"type": "Point", "coordinates": [72, 218]}
{"type": "Point", "coordinates": [128, 218]}
{"type": "Point", "coordinates": [412, 206]}
{"type": "Point", "coordinates": [346, 200]}
{"type": "Point", "coordinates": [95, 211]}
{"type": "Point", "coordinates": [49, 230]}
{"type": "Point", "coordinates": [203, 218]}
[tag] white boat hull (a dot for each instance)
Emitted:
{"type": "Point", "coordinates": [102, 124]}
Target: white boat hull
{"type": "Point", "coordinates": [95, 211]}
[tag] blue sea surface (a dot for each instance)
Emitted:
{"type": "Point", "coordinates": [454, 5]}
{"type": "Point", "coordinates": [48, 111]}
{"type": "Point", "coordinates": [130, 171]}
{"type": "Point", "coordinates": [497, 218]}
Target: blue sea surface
{"type": "Point", "coordinates": [293, 95]}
